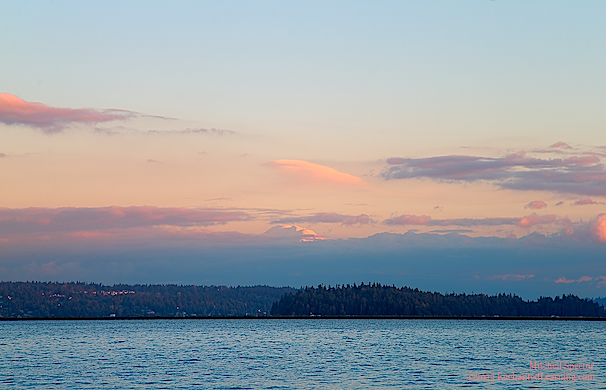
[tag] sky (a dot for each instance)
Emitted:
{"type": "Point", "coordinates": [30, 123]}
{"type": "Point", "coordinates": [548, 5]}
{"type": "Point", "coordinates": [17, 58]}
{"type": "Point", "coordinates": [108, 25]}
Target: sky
{"type": "Point", "coordinates": [450, 146]}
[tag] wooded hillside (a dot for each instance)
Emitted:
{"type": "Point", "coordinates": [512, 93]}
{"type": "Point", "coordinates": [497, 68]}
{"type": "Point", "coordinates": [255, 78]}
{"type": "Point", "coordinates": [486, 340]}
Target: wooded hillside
{"type": "Point", "coordinates": [378, 300]}
{"type": "Point", "coordinates": [37, 299]}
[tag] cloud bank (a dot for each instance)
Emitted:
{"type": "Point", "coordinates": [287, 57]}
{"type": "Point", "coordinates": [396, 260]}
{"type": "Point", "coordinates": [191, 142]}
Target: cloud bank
{"type": "Point", "coordinates": [582, 175]}
{"type": "Point", "coordinates": [526, 221]}
{"type": "Point", "coordinates": [69, 219]}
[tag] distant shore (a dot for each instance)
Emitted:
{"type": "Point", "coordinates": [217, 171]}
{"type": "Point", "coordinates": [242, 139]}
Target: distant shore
{"type": "Point", "coordinates": [493, 318]}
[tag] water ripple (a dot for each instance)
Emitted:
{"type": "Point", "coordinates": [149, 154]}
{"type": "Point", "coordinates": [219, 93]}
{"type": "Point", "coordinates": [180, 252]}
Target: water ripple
{"type": "Point", "coordinates": [292, 354]}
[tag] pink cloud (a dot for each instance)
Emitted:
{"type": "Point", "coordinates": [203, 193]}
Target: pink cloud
{"type": "Point", "coordinates": [534, 219]}
{"type": "Point", "coordinates": [598, 227]}
{"type": "Point", "coordinates": [343, 219]}
{"type": "Point", "coordinates": [579, 280]}
{"type": "Point", "coordinates": [585, 202]}
{"type": "Point", "coordinates": [2, 155]}
{"type": "Point", "coordinates": [536, 205]}
{"type": "Point", "coordinates": [561, 145]}
{"type": "Point", "coordinates": [16, 111]}
{"type": "Point", "coordinates": [408, 219]}
{"type": "Point", "coordinates": [305, 173]}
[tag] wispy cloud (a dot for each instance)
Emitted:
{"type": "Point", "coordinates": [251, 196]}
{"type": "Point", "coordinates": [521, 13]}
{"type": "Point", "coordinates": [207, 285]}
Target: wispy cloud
{"type": "Point", "coordinates": [219, 132]}
{"type": "Point", "coordinates": [526, 221]}
{"type": "Point", "coordinates": [343, 219]}
{"type": "Point", "coordinates": [585, 202]}
{"type": "Point", "coordinates": [583, 175]}
{"type": "Point", "coordinates": [536, 205]}
{"type": "Point", "coordinates": [579, 280]}
{"type": "Point", "coordinates": [16, 111]}
{"type": "Point", "coordinates": [515, 277]}
{"type": "Point", "coordinates": [69, 219]}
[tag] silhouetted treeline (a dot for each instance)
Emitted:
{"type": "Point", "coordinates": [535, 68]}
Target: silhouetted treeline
{"type": "Point", "coordinates": [378, 300]}
{"type": "Point", "coordinates": [601, 301]}
{"type": "Point", "coordinates": [37, 299]}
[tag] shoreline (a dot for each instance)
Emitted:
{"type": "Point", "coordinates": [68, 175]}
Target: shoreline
{"type": "Point", "coordinates": [315, 317]}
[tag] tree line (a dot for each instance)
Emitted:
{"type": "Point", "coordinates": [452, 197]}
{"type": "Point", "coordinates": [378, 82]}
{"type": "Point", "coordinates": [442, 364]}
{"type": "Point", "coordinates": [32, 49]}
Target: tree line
{"type": "Point", "coordinates": [72, 300]}
{"type": "Point", "coordinates": [69, 300]}
{"type": "Point", "coordinates": [378, 300]}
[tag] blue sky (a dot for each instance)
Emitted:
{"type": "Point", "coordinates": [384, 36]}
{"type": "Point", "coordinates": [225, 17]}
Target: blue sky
{"type": "Point", "coordinates": [127, 121]}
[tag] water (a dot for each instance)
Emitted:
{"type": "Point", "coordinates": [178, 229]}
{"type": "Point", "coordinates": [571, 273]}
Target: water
{"type": "Point", "coordinates": [296, 354]}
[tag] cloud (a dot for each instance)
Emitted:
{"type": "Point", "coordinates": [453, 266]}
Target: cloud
{"type": "Point", "coordinates": [305, 173]}
{"type": "Point", "coordinates": [293, 231]}
{"type": "Point", "coordinates": [16, 111]}
{"type": "Point", "coordinates": [536, 205]}
{"type": "Point", "coordinates": [38, 220]}
{"type": "Point", "coordinates": [446, 231]}
{"type": "Point", "coordinates": [579, 280]}
{"type": "Point", "coordinates": [585, 202]}
{"type": "Point", "coordinates": [149, 160]}
{"type": "Point", "coordinates": [560, 203]}
{"type": "Point", "coordinates": [343, 219]}
{"type": "Point", "coordinates": [534, 219]}
{"type": "Point", "coordinates": [526, 222]}
{"type": "Point", "coordinates": [583, 175]}
{"type": "Point", "coordinates": [515, 277]}
{"type": "Point", "coordinates": [561, 145]}
{"type": "Point", "coordinates": [598, 227]}
{"type": "Point", "coordinates": [408, 219]}
{"type": "Point", "coordinates": [219, 132]}
{"type": "Point", "coordinates": [2, 155]}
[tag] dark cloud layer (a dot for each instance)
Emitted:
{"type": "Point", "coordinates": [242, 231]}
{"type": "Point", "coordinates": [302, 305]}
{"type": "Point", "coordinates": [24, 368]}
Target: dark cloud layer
{"type": "Point", "coordinates": [436, 262]}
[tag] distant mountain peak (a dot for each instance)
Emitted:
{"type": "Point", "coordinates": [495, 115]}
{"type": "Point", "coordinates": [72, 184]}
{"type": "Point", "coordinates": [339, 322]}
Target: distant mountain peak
{"type": "Point", "coordinates": [294, 231]}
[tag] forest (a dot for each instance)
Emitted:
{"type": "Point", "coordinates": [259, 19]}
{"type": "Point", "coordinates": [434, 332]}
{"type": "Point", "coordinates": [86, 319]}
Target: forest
{"type": "Point", "coordinates": [71, 300]}
{"type": "Point", "coordinates": [90, 300]}
{"type": "Point", "coordinates": [378, 300]}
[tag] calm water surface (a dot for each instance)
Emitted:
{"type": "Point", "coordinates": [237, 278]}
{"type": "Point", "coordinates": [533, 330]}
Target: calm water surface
{"type": "Point", "coordinates": [297, 354]}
